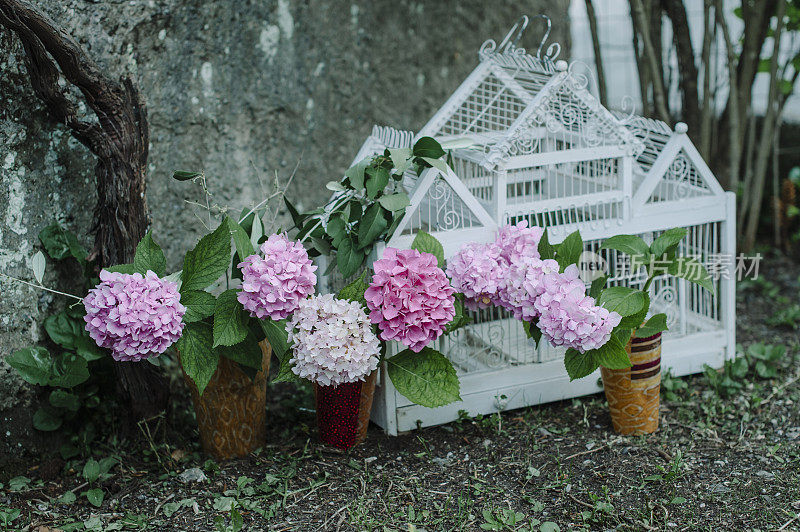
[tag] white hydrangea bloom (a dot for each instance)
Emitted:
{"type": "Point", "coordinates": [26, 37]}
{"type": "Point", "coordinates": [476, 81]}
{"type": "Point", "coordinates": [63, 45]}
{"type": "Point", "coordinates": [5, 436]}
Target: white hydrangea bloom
{"type": "Point", "coordinates": [332, 341]}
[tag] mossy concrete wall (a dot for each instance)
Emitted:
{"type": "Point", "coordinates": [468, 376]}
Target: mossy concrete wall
{"type": "Point", "coordinates": [239, 88]}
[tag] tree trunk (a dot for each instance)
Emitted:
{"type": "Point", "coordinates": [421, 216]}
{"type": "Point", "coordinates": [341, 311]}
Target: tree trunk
{"type": "Point", "coordinates": [687, 69]}
{"type": "Point", "coordinates": [119, 139]}
{"type": "Point", "coordinates": [598, 55]}
{"type": "Point", "coordinates": [642, 24]}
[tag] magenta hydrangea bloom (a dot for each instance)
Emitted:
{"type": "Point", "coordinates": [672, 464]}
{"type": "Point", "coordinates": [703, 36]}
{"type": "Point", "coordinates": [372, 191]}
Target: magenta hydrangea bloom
{"type": "Point", "coordinates": [410, 298]}
{"type": "Point", "coordinates": [134, 316]}
{"type": "Point", "coordinates": [274, 285]}
{"type": "Point", "coordinates": [522, 286]}
{"type": "Point", "coordinates": [569, 317]}
{"type": "Point", "coordinates": [519, 241]}
{"type": "Point", "coordinates": [477, 271]}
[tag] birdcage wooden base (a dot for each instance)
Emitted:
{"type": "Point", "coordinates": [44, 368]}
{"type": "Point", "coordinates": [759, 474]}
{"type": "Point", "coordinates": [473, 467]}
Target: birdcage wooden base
{"type": "Point", "coordinates": [343, 411]}
{"type": "Point", "coordinates": [633, 393]}
{"type": "Point", "coordinates": [232, 412]}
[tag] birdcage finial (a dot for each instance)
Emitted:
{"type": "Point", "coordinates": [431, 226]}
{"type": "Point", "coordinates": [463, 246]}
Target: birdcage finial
{"type": "Point", "coordinates": [509, 46]}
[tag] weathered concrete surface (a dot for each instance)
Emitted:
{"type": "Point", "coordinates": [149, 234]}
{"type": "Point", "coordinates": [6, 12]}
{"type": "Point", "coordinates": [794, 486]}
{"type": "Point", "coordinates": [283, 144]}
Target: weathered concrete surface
{"type": "Point", "coordinates": [238, 88]}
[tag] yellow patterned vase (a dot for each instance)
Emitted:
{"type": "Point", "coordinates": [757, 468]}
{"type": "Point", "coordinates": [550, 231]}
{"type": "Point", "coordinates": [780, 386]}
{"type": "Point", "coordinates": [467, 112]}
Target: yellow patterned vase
{"type": "Point", "coordinates": [633, 393]}
{"type": "Point", "coordinates": [232, 412]}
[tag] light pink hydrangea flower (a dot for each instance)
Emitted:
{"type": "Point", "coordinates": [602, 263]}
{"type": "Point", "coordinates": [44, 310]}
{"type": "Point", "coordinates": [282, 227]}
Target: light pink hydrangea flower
{"type": "Point", "coordinates": [410, 298]}
{"type": "Point", "coordinates": [134, 316]}
{"type": "Point", "coordinates": [477, 271]}
{"type": "Point", "coordinates": [332, 341]}
{"type": "Point", "coordinates": [522, 286]}
{"type": "Point", "coordinates": [519, 241]}
{"type": "Point", "coordinates": [274, 285]}
{"type": "Point", "coordinates": [569, 317]}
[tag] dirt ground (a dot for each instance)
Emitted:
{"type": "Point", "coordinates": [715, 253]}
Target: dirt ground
{"type": "Point", "coordinates": [725, 458]}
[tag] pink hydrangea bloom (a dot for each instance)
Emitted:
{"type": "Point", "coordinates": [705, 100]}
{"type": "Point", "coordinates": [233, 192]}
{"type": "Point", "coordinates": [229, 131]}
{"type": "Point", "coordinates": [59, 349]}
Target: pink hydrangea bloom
{"type": "Point", "coordinates": [410, 298]}
{"type": "Point", "coordinates": [134, 316]}
{"type": "Point", "coordinates": [274, 285]}
{"type": "Point", "coordinates": [518, 241]}
{"type": "Point", "coordinates": [332, 341]}
{"type": "Point", "coordinates": [522, 286]}
{"type": "Point", "coordinates": [569, 317]}
{"type": "Point", "coordinates": [477, 271]}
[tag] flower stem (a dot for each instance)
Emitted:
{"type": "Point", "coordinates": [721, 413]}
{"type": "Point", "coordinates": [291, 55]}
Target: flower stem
{"type": "Point", "coordinates": [42, 287]}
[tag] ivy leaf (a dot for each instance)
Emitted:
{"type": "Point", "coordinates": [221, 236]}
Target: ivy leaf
{"type": "Point", "coordinates": [395, 202]}
{"type": "Point", "coordinates": [546, 251]}
{"type": "Point", "coordinates": [401, 159]}
{"type": "Point", "coordinates": [569, 251]}
{"type": "Point", "coordinates": [372, 225]}
{"type": "Point", "coordinates": [579, 364]}
{"type": "Point", "coordinates": [32, 363]}
{"type": "Point", "coordinates": [247, 352]}
{"type": "Point", "coordinates": [623, 300]}
{"type": "Point", "coordinates": [426, 378]}
{"type": "Point", "coordinates": [426, 243]}
{"type": "Point", "coordinates": [47, 419]}
{"type": "Point", "coordinates": [198, 358]}
{"type": "Point", "coordinates": [630, 244]}
{"type": "Point", "coordinates": [199, 305]}
{"type": "Point", "coordinates": [244, 248]}
{"type": "Point", "coordinates": [356, 173]}
{"type": "Point", "coordinates": [428, 147]}
{"type": "Point", "coordinates": [184, 175]}
{"type": "Point", "coordinates": [667, 240]}
{"type": "Point", "coordinates": [276, 335]}
{"type": "Point", "coordinates": [208, 260]}
{"type": "Point", "coordinates": [377, 179]}
{"type": "Point", "coordinates": [355, 290]}
{"type": "Point", "coordinates": [149, 257]}
{"type": "Point", "coordinates": [656, 324]}
{"type": "Point", "coordinates": [348, 257]}
{"type": "Point", "coordinates": [229, 319]}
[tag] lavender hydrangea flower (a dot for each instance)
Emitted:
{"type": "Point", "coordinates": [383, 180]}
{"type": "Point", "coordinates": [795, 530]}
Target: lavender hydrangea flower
{"type": "Point", "coordinates": [519, 241]}
{"type": "Point", "coordinates": [522, 286]}
{"type": "Point", "coordinates": [332, 341]}
{"type": "Point", "coordinates": [274, 285]}
{"type": "Point", "coordinates": [569, 317]}
{"type": "Point", "coordinates": [134, 316]}
{"type": "Point", "coordinates": [410, 298]}
{"type": "Point", "coordinates": [478, 272]}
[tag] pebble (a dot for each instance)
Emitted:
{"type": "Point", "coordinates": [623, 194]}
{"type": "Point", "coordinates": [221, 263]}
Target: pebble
{"type": "Point", "coordinates": [194, 474]}
{"type": "Point", "coordinates": [765, 474]}
{"type": "Point", "coordinates": [541, 431]}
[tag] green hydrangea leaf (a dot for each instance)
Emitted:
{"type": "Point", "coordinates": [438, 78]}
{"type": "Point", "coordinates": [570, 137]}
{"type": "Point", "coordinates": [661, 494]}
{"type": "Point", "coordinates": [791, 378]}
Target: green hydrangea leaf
{"type": "Point", "coordinates": [199, 305]}
{"type": "Point", "coordinates": [579, 364]}
{"type": "Point", "coordinates": [32, 363]}
{"type": "Point", "coordinates": [198, 357]}
{"type": "Point", "coordinates": [426, 243]}
{"type": "Point", "coordinates": [426, 378]}
{"type": "Point", "coordinates": [208, 261]}
{"type": "Point", "coordinates": [149, 257]}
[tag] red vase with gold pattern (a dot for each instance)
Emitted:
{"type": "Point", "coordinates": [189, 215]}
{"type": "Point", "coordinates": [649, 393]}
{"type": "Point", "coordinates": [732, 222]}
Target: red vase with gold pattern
{"type": "Point", "coordinates": [343, 411]}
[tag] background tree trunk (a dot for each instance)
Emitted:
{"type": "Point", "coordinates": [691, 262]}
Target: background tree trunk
{"type": "Point", "coordinates": [119, 139]}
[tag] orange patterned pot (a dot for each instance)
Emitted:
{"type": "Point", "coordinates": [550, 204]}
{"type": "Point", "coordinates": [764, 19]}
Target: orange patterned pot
{"type": "Point", "coordinates": [343, 411]}
{"type": "Point", "coordinates": [232, 412]}
{"type": "Point", "coordinates": [633, 393]}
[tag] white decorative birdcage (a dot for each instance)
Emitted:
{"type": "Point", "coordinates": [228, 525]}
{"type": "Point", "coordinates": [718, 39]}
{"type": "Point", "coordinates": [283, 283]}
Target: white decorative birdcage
{"type": "Point", "coordinates": [543, 149]}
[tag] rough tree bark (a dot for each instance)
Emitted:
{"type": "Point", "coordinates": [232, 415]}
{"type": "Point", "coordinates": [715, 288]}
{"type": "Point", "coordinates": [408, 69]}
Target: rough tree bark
{"type": "Point", "coordinates": [687, 68]}
{"type": "Point", "coordinates": [642, 26]}
{"type": "Point", "coordinates": [598, 55]}
{"type": "Point", "coordinates": [119, 139]}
